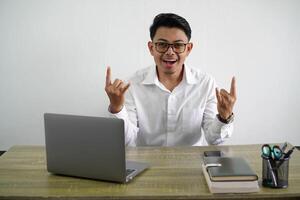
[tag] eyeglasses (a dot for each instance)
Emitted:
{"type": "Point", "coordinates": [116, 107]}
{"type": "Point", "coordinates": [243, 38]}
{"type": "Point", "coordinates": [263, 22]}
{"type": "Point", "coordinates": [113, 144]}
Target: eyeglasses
{"type": "Point", "coordinates": [162, 47]}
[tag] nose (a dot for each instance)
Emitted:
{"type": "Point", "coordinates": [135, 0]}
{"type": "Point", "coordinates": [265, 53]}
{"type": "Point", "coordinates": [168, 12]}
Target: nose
{"type": "Point", "coordinates": [170, 50]}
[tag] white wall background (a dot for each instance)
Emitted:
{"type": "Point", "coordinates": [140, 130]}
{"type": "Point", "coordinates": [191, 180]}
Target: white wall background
{"type": "Point", "coordinates": [53, 55]}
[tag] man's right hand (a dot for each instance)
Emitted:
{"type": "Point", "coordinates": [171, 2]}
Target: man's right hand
{"type": "Point", "coordinates": [116, 92]}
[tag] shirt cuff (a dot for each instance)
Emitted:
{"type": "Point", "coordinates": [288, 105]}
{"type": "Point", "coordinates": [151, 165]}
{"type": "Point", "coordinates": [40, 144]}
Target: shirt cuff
{"type": "Point", "coordinates": [121, 115]}
{"type": "Point", "coordinates": [226, 121]}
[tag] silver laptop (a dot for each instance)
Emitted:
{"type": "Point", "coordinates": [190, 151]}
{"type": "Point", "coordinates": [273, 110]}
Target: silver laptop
{"type": "Point", "coordinates": [88, 147]}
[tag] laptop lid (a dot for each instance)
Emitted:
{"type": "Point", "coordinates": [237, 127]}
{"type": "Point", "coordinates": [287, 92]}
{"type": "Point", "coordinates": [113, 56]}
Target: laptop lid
{"type": "Point", "coordinates": [89, 147]}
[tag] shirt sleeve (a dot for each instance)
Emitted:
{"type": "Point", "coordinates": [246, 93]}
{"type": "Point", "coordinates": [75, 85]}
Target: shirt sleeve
{"type": "Point", "coordinates": [129, 115]}
{"type": "Point", "coordinates": [215, 132]}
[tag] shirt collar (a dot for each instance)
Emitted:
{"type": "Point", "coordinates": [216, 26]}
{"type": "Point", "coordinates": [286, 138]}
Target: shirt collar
{"type": "Point", "coordinates": [151, 76]}
{"type": "Point", "coordinates": [189, 76]}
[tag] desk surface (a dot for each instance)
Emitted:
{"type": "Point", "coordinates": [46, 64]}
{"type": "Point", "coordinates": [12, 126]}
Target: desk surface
{"type": "Point", "coordinates": [175, 174]}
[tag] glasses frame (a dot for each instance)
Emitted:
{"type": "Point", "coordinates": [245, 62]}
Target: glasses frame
{"type": "Point", "coordinates": [170, 45]}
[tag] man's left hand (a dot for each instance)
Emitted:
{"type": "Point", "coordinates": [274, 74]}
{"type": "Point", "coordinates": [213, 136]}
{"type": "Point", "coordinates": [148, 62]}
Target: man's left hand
{"type": "Point", "coordinates": [226, 100]}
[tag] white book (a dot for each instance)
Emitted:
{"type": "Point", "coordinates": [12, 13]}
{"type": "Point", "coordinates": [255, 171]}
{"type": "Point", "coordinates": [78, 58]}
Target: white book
{"type": "Point", "coordinates": [230, 186]}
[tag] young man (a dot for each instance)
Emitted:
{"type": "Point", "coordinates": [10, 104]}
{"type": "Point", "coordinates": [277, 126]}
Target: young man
{"type": "Point", "coordinates": [171, 103]}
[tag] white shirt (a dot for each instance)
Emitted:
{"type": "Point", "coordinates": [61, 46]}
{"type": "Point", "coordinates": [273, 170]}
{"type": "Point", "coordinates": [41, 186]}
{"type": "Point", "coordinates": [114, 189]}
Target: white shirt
{"type": "Point", "coordinates": [154, 116]}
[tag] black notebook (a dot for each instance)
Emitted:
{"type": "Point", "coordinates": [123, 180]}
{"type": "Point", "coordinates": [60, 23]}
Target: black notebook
{"type": "Point", "coordinates": [229, 169]}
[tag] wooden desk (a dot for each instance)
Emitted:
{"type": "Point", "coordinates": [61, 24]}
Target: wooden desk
{"type": "Point", "coordinates": [175, 174]}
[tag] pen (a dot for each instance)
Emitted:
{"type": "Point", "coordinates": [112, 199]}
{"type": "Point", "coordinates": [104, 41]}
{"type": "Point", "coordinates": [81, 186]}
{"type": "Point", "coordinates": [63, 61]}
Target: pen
{"type": "Point", "coordinates": [283, 147]}
{"type": "Point", "coordinates": [288, 154]}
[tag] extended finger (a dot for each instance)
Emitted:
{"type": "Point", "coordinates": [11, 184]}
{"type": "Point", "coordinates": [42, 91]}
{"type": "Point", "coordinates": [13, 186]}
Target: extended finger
{"type": "Point", "coordinates": [108, 76]}
{"type": "Point", "coordinates": [233, 87]}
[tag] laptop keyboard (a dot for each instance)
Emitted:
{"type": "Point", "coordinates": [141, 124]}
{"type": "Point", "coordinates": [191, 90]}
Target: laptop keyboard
{"type": "Point", "coordinates": [129, 171]}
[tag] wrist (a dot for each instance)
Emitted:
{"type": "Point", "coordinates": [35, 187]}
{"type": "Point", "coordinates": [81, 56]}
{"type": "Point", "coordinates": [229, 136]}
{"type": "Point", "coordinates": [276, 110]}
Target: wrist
{"type": "Point", "coordinates": [115, 109]}
{"type": "Point", "coordinates": [226, 120]}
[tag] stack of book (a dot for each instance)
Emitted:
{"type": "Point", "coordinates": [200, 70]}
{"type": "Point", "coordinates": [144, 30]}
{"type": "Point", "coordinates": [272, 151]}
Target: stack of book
{"type": "Point", "coordinates": [229, 175]}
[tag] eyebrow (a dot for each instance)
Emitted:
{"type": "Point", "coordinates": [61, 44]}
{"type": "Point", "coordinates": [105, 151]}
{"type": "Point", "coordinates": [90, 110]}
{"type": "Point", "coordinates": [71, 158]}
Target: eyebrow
{"type": "Point", "coordinates": [163, 40]}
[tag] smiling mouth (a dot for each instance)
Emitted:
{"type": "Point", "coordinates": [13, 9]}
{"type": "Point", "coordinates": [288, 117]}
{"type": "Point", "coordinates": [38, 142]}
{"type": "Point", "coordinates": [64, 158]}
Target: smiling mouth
{"type": "Point", "coordinates": [170, 62]}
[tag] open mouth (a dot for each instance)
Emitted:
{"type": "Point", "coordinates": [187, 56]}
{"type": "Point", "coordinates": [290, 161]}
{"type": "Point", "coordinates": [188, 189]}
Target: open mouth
{"type": "Point", "coordinates": [169, 62]}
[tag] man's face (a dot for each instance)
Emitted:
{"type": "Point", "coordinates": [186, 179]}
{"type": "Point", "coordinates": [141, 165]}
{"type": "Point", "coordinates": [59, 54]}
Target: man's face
{"type": "Point", "coordinates": [169, 59]}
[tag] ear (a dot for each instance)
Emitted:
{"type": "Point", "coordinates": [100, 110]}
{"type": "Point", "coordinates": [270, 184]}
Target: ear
{"type": "Point", "coordinates": [151, 47]}
{"type": "Point", "coordinates": [189, 47]}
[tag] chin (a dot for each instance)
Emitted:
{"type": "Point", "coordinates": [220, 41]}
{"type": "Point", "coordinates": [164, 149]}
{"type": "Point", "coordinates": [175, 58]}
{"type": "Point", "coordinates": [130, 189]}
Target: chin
{"type": "Point", "coordinates": [171, 69]}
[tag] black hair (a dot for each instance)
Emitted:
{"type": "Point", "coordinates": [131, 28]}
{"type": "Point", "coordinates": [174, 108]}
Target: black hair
{"type": "Point", "coordinates": [170, 20]}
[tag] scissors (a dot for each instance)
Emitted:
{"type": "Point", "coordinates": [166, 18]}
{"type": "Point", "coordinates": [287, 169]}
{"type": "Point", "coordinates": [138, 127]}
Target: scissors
{"type": "Point", "coordinates": [271, 152]}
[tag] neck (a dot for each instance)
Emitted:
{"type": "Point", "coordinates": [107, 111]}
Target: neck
{"type": "Point", "coordinates": [170, 80]}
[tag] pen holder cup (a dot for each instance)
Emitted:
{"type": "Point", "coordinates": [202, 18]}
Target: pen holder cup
{"type": "Point", "coordinates": [275, 173]}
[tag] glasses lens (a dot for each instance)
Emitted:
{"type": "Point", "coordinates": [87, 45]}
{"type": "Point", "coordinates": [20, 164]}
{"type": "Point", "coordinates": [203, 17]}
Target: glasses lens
{"type": "Point", "coordinates": [179, 47]}
{"type": "Point", "coordinates": [161, 47]}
